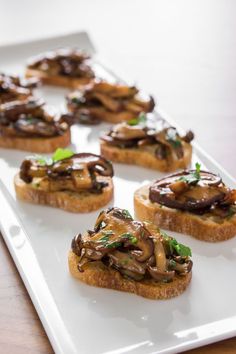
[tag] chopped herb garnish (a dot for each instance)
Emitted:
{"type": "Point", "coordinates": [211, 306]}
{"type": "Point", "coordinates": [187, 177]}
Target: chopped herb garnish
{"type": "Point", "coordinates": [127, 214]}
{"type": "Point", "coordinates": [75, 100]}
{"type": "Point", "coordinates": [61, 154]}
{"type": "Point", "coordinates": [130, 237]}
{"type": "Point", "coordinates": [173, 138]}
{"type": "Point", "coordinates": [194, 177]}
{"type": "Point", "coordinates": [113, 244]}
{"type": "Point", "coordinates": [141, 119]}
{"type": "Point", "coordinates": [179, 248]}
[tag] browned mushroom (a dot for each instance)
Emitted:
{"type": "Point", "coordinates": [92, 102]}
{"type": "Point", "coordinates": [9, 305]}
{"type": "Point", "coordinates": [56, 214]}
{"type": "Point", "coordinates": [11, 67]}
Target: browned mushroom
{"type": "Point", "coordinates": [135, 249]}
{"type": "Point", "coordinates": [74, 173]}
{"type": "Point", "coordinates": [200, 193]}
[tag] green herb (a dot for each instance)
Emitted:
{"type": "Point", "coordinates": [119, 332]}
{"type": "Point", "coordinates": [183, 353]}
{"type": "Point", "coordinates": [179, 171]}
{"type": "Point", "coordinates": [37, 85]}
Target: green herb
{"type": "Point", "coordinates": [141, 119]}
{"type": "Point", "coordinates": [36, 185]}
{"type": "Point", "coordinates": [179, 248]}
{"type": "Point", "coordinates": [41, 160]}
{"type": "Point", "coordinates": [194, 177]}
{"type": "Point", "coordinates": [61, 154]}
{"type": "Point", "coordinates": [75, 100]}
{"type": "Point", "coordinates": [231, 212]}
{"type": "Point", "coordinates": [130, 237]}
{"type": "Point", "coordinates": [127, 214]}
{"type": "Point", "coordinates": [113, 244]}
{"type": "Point", "coordinates": [173, 138]}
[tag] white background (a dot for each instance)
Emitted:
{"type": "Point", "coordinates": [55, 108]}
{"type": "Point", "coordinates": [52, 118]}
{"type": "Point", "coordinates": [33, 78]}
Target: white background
{"type": "Point", "coordinates": [182, 51]}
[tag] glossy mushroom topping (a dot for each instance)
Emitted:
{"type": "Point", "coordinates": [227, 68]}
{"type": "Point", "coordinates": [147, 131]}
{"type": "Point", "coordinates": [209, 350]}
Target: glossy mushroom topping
{"type": "Point", "coordinates": [67, 171]}
{"type": "Point", "coordinates": [14, 88]}
{"type": "Point", "coordinates": [145, 132]}
{"type": "Point", "coordinates": [90, 102]}
{"type": "Point", "coordinates": [195, 191]}
{"type": "Point", "coordinates": [137, 250]}
{"type": "Point", "coordinates": [29, 118]}
{"type": "Point", "coordinates": [66, 62]}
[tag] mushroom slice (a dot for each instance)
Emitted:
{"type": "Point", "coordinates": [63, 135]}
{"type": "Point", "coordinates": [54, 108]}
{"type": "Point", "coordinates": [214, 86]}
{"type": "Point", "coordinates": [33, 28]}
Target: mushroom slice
{"type": "Point", "coordinates": [160, 255]}
{"type": "Point", "coordinates": [202, 192]}
{"type": "Point", "coordinates": [159, 275]}
{"type": "Point", "coordinates": [124, 260]}
{"type": "Point", "coordinates": [115, 90]}
{"type": "Point", "coordinates": [124, 131]}
{"type": "Point", "coordinates": [144, 243]}
{"type": "Point", "coordinates": [107, 102]}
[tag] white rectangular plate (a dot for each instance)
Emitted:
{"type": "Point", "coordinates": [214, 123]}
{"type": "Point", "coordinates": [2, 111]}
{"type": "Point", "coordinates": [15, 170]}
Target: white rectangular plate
{"type": "Point", "coordinates": [83, 319]}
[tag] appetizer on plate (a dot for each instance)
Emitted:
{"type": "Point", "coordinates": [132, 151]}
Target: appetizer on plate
{"type": "Point", "coordinates": [14, 88]}
{"type": "Point", "coordinates": [109, 102]}
{"type": "Point", "coordinates": [63, 67]}
{"type": "Point", "coordinates": [123, 254]}
{"type": "Point", "coordinates": [193, 202]}
{"type": "Point", "coordinates": [27, 125]}
{"type": "Point", "coordinates": [148, 142]}
{"type": "Point", "coordinates": [76, 182]}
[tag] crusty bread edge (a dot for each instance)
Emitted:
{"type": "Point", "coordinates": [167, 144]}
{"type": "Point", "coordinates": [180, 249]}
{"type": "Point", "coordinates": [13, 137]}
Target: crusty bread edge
{"type": "Point", "coordinates": [69, 201]}
{"type": "Point", "coordinates": [144, 158]}
{"type": "Point", "coordinates": [180, 221]}
{"type": "Point", "coordinates": [38, 145]}
{"type": "Point", "coordinates": [58, 80]}
{"type": "Point", "coordinates": [97, 274]}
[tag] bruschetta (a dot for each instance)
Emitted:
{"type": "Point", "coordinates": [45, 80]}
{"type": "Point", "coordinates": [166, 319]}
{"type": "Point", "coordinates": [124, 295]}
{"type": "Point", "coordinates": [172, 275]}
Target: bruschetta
{"type": "Point", "coordinates": [63, 67]}
{"type": "Point", "coordinates": [27, 125]}
{"type": "Point", "coordinates": [123, 254]}
{"type": "Point", "coordinates": [109, 102]}
{"type": "Point", "coordinates": [75, 182]}
{"type": "Point", "coordinates": [148, 142]}
{"type": "Point", "coordinates": [192, 202]}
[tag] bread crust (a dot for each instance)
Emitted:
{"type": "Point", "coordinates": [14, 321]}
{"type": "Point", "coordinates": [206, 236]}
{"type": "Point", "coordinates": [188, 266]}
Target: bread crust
{"type": "Point", "coordinates": [97, 274]}
{"type": "Point", "coordinates": [38, 145]}
{"type": "Point", "coordinates": [181, 221]}
{"type": "Point", "coordinates": [58, 80]}
{"type": "Point", "coordinates": [83, 202]}
{"type": "Point", "coordinates": [144, 158]}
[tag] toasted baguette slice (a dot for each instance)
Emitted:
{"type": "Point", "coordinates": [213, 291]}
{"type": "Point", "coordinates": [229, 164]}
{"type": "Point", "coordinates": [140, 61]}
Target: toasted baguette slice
{"type": "Point", "coordinates": [82, 202]}
{"type": "Point", "coordinates": [38, 145]}
{"type": "Point", "coordinates": [57, 80]}
{"type": "Point", "coordinates": [97, 274]}
{"type": "Point", "coordinates": [136, 156]}
{"type": "Point", "coordinates": [181, 221]}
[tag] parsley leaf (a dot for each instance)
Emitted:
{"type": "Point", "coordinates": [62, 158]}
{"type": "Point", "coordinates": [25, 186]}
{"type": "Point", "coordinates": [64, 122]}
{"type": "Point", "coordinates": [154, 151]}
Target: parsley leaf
{"type": "Point", "coordinates": [175, 246]}
{"type": "Point", "coordinates": [113, 244]}
{"type": "Point", "coordinates": [141, 119]}
{"type": "Point", "coordinates": [61, 154]}
{"type": "Point", "coordinates": [130, 237]}
{"type": "Point", "coordinates": [173, 138]}
{"type": "Point", "coordinates": [194, 177]}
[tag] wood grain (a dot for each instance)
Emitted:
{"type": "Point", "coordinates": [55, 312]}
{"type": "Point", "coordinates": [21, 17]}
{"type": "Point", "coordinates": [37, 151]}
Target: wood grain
{"type": "Point", "coordinates": [21, 331]}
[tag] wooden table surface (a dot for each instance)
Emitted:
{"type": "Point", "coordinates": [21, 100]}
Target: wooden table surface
{"type": "Point", "coordinates": [181, 50]}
